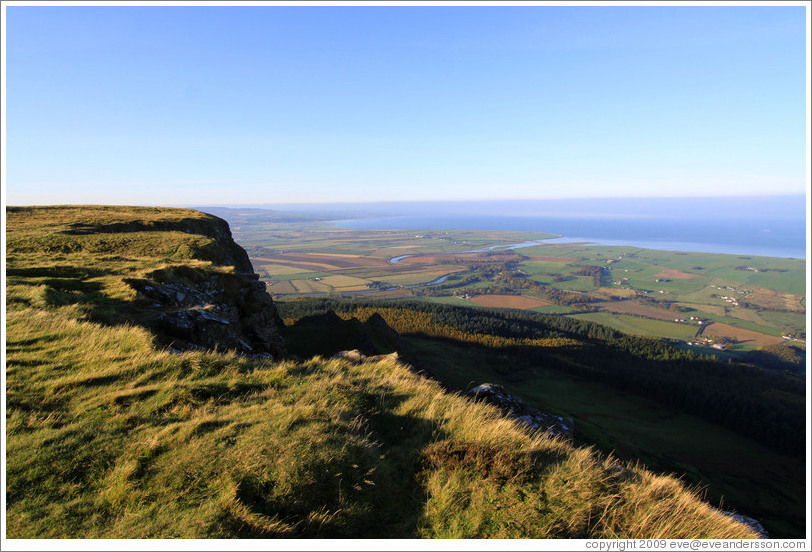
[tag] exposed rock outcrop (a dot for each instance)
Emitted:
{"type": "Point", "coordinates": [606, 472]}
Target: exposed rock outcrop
{"type": "Point", "coordinates": [205, 296]}
{"type": "Point", "coordinates": [210, 308]}
{"type": "Point", "coordinates": [755, 525]}
{"type": "Point", "coordinates": [515, 408]}
{"type": "Point", "coordinates": [214, 310]}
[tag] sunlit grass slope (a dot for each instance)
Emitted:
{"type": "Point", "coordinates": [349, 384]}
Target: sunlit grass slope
{"type": "Point", "coordinates": [80, 255]}
{"type": "Point", "coordinates": [109, 436]}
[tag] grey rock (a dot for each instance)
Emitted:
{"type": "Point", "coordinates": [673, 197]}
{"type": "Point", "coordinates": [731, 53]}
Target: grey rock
{"type": "Point", "coordinates": [528, 420]}
{"type": "Point", "coordinates": [755, 525]}
{"type": "Point", "coordinates": [513, 407]}
{"type": "Point", "coordinates": [223, 311]}
{"type": "Point", "coordinates": [208, 316]}
{"type": "Point", "coordinates": [354, 356]}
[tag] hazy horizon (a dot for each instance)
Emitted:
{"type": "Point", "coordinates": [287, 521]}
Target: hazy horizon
{"type": "Point", "coordinates": [772, 200]}
{"type": "Point", "coordinates": [765, 226]}
{"type": "Point", "coordinates": [459, 201]}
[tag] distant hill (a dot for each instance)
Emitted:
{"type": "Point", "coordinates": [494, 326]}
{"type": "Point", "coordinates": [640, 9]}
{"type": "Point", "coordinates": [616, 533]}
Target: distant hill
{"type": "Point", "coordinates": [148, 396]}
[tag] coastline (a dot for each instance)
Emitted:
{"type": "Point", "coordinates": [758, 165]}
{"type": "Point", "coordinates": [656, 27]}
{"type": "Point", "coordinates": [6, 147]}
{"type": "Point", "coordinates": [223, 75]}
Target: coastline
{"type": "Point", "coordinates": [764, 246]}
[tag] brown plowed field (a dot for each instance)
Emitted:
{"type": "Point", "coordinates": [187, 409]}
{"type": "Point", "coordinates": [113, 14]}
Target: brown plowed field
{"type": "Point", "coordinates": [460, 257]}
{"type": "Point", "coordinates": [775, 300]}
{"type": "Point", "coordinates": [748, 336]}
{"type": "Point", "coordinates": [508, 301]}
{"type": "Point", "coordinates": [676, 274]}
{"type": "Point", "coordinates": [436, 258]}
{"type": "Point", "coordinates": [554, 259]}
{"type": "Point", "coordinates": [616, 292]}
{"type": "Point", "coordinates": [631, 307]}
{"type": "Point", "coordinates": [328, 262]}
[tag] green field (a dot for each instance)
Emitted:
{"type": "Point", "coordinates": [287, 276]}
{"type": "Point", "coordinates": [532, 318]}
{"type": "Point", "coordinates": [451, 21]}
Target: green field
{"type": "Point", "coordinates": [291, 276]}
{"type": "Point", "coordinates": [637, 325]}
{"type": "Point", "coordinates": [792, 321]}
{"type": "Point", "coordinates": [552, 309]}
{"type": "Point", "coordinates": [577, 283]}
{"type": "Point", "coordinates": [699, 284]}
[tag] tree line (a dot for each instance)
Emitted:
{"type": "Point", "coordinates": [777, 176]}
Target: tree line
{"type": "Point", "coordinates": [768, 406]}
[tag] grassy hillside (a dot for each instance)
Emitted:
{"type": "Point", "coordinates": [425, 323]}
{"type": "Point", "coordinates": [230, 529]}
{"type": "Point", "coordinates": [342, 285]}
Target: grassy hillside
{"type": "Point", "coordinates": [111, 435]}
{"type": "Point", "coordinates": [732, 470]}
{"type": "Point", "coordinates": [736, 430]}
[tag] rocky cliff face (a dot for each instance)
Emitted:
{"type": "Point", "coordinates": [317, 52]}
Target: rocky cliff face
{"type": "Point", "coordinates": [195, 287]}
{"type": "Point", "coordinates": [211, 310]}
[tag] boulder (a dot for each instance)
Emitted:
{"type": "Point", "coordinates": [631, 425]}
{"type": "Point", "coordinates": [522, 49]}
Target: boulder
{"type": "Point", "coordinates": [755, 525]}
{"type": "Point", "coordinates": [354, 356]}
{"type": "Point", "coordinates": [220, 310]}
{"type": "Point", "coordinates": [513, 407]}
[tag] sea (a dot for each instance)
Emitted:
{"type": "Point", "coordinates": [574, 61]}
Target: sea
{"type": "Point", "coordinates": [767, 226]}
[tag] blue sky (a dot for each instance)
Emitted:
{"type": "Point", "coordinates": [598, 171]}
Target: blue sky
{"type": "Point", "coordinates": [225, 105]}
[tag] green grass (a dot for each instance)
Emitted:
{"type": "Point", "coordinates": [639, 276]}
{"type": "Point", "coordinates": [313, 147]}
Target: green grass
{"type": "Point", "coordinates": [577, 283]}
{"type": "Point", "coordinates": [636, 325]}
{"type": "Point", "coordinates": [545, 267]}
{"type": "Point", "coordinates": [119, 440]}
{"type": "Point", "coordinates": [745, 324]}
{"type": "Point", "coordinates": [793, 321]}
{"type": "Point", "coordinates": [552, 309]}
{"type": "Point", "coordinates": [111, 436]}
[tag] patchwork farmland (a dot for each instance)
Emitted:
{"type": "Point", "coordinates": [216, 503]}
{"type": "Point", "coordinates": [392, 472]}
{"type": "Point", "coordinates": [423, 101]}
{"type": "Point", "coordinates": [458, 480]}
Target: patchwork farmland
{"type": "Point", "coordinates": [726, 301]}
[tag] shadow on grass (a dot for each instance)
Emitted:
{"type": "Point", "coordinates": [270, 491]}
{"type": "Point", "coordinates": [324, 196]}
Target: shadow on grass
{"type": "Point", "coordinates": [75, 272]}
{"type": "Point", "coordinates": [348, 487]}
{"type": "Point", "coordinates": [82, 228]}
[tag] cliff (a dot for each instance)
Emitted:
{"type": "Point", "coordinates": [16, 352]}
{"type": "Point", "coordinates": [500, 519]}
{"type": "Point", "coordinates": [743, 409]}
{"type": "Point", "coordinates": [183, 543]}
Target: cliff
{"type": "Point", "coordinates": [176, 271]}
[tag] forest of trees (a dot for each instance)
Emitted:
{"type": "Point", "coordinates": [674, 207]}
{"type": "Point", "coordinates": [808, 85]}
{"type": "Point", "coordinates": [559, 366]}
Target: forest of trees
{"type": "Point", "coordinates": [766, 405]}
{"type": "Point", "coordinates": [595, 272]}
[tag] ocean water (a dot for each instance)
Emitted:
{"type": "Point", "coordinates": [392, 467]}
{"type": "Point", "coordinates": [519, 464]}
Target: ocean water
{"type": "Point", "coordinates": [768, 235]}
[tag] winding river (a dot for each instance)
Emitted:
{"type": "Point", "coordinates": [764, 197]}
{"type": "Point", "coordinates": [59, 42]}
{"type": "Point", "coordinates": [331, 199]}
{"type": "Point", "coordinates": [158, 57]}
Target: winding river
{"type": "Point", "coordinates": [398, 259]}
{"type": "Point", "coordinates": [440, 280]}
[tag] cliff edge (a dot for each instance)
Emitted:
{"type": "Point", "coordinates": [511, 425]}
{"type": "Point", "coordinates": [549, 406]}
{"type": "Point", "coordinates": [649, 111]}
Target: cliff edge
{"type": "Point", "coordinates": [178, 272]}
